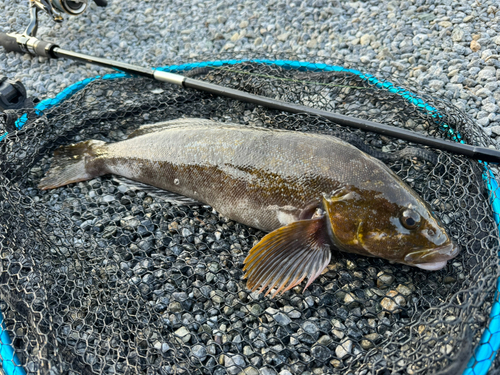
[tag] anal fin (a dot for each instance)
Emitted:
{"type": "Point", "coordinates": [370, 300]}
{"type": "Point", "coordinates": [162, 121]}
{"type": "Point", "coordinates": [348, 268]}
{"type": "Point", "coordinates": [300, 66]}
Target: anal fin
{"type": "Point", "coordinates": [165, 195]}
{"type": "Point", "coordinates": [286, 256]}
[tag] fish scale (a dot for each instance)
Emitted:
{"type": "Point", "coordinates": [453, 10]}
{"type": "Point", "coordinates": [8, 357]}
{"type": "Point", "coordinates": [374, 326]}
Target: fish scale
{"type": "Point", "coordinates": [313, 192]}
{"type": "Point", "coordinates": [260, 169]}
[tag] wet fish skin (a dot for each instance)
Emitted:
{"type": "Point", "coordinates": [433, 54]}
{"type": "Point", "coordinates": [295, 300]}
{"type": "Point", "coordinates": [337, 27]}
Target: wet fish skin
{"type": "Point", "coordinates": [313, 193]}
{"type": "Point", "coordinates": [268, 176]}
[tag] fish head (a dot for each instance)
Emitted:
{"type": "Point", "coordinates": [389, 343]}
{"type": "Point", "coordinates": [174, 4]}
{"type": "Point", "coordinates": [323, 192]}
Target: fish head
{"type": "Point", "coordinates": [397, 226]}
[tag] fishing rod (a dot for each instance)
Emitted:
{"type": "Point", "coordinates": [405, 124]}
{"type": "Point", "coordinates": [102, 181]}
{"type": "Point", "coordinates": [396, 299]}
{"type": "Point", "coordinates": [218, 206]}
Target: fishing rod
{"type": "Point", "coordinates": [20, 43]}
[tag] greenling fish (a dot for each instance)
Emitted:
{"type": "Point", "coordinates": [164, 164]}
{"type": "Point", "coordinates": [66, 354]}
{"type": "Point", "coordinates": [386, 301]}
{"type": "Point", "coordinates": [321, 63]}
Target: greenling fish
{"type": "Point", "coordinates": [312, 192]}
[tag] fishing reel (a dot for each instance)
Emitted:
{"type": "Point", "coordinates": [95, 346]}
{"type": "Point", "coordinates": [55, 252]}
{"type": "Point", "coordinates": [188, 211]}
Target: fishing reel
{"type": "Point", "coordinates": [55, 8]}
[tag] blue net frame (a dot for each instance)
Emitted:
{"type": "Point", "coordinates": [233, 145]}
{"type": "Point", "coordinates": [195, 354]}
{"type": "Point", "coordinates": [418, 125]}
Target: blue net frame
{"type": "Point", "coordinates": [485, 351]}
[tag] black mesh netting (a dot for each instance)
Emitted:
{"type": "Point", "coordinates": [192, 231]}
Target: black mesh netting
{"type": "Point", "coordinates": [99, 278]}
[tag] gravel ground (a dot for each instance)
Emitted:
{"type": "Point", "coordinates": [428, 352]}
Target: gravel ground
{"type": "Point", "coordinates": [452, 50]}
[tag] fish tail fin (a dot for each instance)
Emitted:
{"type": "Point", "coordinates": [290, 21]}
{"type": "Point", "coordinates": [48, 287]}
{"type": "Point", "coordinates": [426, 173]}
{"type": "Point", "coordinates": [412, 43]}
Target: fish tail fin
{"type": "Point", "coordinates": [71, 164]}
{"type": "Point", "coordinates": [286, 256]}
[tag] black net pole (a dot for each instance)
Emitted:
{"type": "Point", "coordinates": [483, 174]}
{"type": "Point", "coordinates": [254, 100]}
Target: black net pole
{"type": "Point", "coordinates": [51, 50]}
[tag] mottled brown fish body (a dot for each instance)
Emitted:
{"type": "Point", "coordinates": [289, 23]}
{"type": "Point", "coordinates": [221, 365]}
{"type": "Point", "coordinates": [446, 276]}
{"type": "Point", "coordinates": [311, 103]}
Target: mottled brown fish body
{"type": "Point", "coordinates": [263, 178]}
{"type": "Point", "coordinates": [259, 177]}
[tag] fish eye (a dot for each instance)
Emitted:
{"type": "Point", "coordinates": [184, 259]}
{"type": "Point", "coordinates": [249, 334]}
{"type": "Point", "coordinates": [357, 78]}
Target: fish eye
{"type": "Point", "coordinates": [410, 219]}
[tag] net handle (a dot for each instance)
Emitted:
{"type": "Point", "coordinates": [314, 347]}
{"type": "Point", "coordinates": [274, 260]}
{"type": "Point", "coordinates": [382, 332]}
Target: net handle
{"type": "Point", "coordinates": [52, 50]}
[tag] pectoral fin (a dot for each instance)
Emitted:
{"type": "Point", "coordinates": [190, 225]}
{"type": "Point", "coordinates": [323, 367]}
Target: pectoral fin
{"type": "Point", "coordinates": [286, 256]}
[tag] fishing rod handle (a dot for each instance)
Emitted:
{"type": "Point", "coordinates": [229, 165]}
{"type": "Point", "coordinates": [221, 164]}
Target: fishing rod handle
{"type": "Point", "coordinates": [23, 44]}
{"type": "Point", "coordinates": [10, 43]}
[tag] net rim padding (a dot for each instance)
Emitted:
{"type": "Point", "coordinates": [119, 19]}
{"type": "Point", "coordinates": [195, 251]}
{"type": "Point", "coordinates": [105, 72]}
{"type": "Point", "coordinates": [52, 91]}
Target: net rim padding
{"type": "Point", "coordinates": [484, 353]}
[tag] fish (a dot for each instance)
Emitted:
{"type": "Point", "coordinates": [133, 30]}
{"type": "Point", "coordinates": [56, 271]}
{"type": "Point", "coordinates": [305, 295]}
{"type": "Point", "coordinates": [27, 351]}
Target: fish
{"type": "Point", "coordinates": [313, 194]}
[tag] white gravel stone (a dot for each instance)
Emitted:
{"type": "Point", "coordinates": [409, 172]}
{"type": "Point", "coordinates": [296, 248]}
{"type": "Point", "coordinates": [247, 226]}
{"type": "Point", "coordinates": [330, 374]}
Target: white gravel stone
{"type": "Point", "coordinates": [344, 349]}
{"type": "Point", "coordinates": [490, 107]}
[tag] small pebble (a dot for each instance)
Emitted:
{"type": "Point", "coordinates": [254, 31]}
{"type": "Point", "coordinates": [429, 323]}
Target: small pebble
{"type": "Point", "coordinates": [199, 351]}
{"type": "Point", "coordinates": [475, 46]}
{"type": "Point", "coordinates": [183, 334]}
{"type": "Point", "coordinates": [393, 302]}
{"type": "Point", "coordinates": [384, 279]}
{"type": "Point", "coordinates": [344, 349]}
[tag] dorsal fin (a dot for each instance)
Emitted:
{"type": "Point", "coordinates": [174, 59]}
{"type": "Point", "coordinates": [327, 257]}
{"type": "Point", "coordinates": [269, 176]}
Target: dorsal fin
{"type": "Point", "coordinates": [152, 128]}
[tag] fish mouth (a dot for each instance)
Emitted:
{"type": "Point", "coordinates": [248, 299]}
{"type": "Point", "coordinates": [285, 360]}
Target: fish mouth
{"type": "Point", "coordinates": [432, 266]}
{"type": "Point", "coordinates": [433, 260]}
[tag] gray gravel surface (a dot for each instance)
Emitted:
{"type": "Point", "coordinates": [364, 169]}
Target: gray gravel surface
{"type": "Point", "coordinates": [452, 49]}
